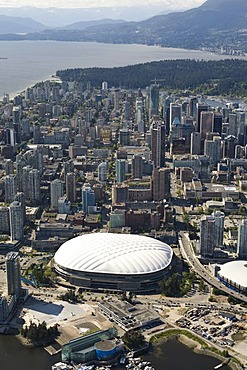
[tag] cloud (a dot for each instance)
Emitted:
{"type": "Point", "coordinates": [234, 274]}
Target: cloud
{"type": "Point", "coordinates": [172, 4]}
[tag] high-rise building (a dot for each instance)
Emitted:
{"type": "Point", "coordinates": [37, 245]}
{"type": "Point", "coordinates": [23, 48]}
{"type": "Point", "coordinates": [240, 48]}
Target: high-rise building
{"type": "Point", "coordinates": [34, 186]}
{"type": "Point", "coordinates": [206, 123]}
{"type": "Point", "coordinates": [68, 167]}
{"type": "Point", "coordinates": [157, 131]}
{"type": "Point", "coordinates": [10, 186]}
{"type": "Point", "coordinates": [71, 187]}
{"type": "Point", "coordinates": [120, 170]}
{"type": "Point", "coordinates": [16, 221]}
{"type": "Point", "coordinates": [200, 107]}
{"type": "Point", "coordinates": [102, 172]}
{"type": "Point", "coordinates": [175, 114]}
{"type": "Point", "coordinates": [207, 235]}
{"type": "Point", "coordinates": [4, 220]}
{"type": "Point", "coordinates": [88, 198]}
{"type": "Point", "coordinates": [212, 148]}
{"type": "Point", "coordinates": [219, 218]}
{"type": "Point", "coordinates": [9, 167]}
{"type": "Point", "coordinates": [154, 100]}
{"type": "Point", "coordinates": [242, 240]}
{"type": "Point", "coordinates": [137, 166]}
{"type": "Point", "coordinates": [13, 274]}
{"type": "Point", "coordinates": [161, 185]}
{"type": "Point", "coordinates": [21, 198]}
{"type": "Point", "coordinates": [195, 144]}
{"type": "Point", "coordinates": [56, 192]}
{"type": "Point", "coordinates": [217, 122]}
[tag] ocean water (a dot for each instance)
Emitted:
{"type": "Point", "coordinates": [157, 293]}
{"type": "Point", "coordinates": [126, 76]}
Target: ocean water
{"type": "Point", "coordinates": [29, 62]}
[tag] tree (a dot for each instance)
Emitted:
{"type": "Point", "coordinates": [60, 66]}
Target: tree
{"type": "Point", "coordinates": [133, 339]}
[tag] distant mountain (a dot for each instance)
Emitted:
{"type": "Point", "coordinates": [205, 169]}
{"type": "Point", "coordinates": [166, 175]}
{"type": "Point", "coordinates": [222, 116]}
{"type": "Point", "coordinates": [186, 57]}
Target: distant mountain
{"type": "Point", "coordinates": [85, 24]}
{"type": "Point", "coordinates": [60, 17]}
{"type": "Point", "coordinates": [19, 25]}
{"type": "Point", "coordinates": [215, 25]}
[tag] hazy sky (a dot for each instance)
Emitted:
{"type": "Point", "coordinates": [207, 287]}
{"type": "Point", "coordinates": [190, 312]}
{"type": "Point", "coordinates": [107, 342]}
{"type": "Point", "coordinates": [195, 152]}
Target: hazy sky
{"type": "Point", "coordinates": [172, 4]}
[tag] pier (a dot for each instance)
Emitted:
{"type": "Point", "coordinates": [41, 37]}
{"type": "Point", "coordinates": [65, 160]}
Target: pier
{"type": "Point", "coordinates": [225, 362]}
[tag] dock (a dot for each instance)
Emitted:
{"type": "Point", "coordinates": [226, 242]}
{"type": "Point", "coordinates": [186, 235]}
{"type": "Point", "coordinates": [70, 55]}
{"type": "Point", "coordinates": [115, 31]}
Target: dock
{"type": "Point", "coordinates": [225, 362]}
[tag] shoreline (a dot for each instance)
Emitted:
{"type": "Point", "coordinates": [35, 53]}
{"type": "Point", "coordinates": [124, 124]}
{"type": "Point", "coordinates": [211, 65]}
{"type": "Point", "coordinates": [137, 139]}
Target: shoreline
{"type": "Point", "coordinates": [194, 345]}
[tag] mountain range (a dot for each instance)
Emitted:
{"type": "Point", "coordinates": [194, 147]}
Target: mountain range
{"type": "Point", "coordinates": [214, 24]}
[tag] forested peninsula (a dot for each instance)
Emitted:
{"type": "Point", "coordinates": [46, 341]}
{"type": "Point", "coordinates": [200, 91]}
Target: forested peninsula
{"type": "Point", "coordinates": [223, 77]}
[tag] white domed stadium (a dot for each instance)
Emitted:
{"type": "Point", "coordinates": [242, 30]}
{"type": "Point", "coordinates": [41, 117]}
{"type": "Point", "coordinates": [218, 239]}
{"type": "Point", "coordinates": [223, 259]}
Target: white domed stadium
{"type": "Point", "coordinates": [234, 275]}
{"type": "Point", "coordinates": [116, 262]}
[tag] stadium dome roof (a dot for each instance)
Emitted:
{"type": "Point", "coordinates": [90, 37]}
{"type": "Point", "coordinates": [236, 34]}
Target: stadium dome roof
{"type": "Point", "coordinates": [236, 271]}
{"type": "Point", "coordinates": [114, 254]}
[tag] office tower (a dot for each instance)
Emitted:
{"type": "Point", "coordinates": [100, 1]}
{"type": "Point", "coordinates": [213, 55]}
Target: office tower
{"type": "Point", "coordinates": [242, 240]}
{"type": "Point", "coordinates": [88, 198]}
{"type": "Point", "coordinates": [229, 147]}
{"type": "Point", "coordinates": [21, 198]}
{"type": "Point", "coordinates": [120, 193]}
{"type": "Point", "coordinates": [175, 114]}
{"type": "Point", "coordinates": [200, 107]}
{"type": "Point", "coordinates": [71, 187]}
{"type": "Point", "coordinates": [34, 186]}
{"type": "Point", "coordinates": [137, 166]}
{"type": "Point", "coordinates": [157, 130]}
{"type": "Point", "coordinates": [13, 274]}
{"type": "Point", "coordinates": [207, 235]}
{"type": "Point", "coordinates": [154, 100]}
{"type": "Point", "coordinates": [102, 172]}
{"type": "Point", "coordinates": [233, 124]}
{"type": "Point", "coordinates": [127, 110]}
{"type": "Point", "coordinates": [195, 145]}
{"type": "Point", "coordinates": [10, 186]}
{"type": "Point", "coordinates": [16, 221]}
{"type": "Point", "coordinates": [36, 133]}
{"type": "Point", "coordinates": [192, 107]}
{"type": "Point", "coordinates": [212, 148]}
{"type": "Point", "coordinates": [219, 218]}
{"type": "Point", "coordinates": [4, 308]}
{"type": "Point", "coordinates": [9, 167]}
{"type": "Point", "coordinates": [206, 124]}
{"type": "Point", "coordinates": [104, 86]}
{"type": "Point", "coordinates": [217, 122]}
{"type": "Point", "coordinates": [4, 220]}
{"type": "Point", "coordinates": [120, 170]}
{"type": "Point", "coordinates": [56, 192]}
{"type": "Point", "coordinates": [139, 115]}
{"type": "Point", "coordinates": [68, 167]}
{"type": "Point", "coordinates": [161, 184]}
{"type": "Point", "coordinates": [124, 136]}
{"type": "Point", "coordinates": [116, 99]}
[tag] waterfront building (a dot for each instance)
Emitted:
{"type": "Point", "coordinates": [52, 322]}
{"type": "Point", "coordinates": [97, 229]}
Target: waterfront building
{"type": "Point", "coordinates": [242, 240]}
{"type": "Point", "coordinates": [13, 271]}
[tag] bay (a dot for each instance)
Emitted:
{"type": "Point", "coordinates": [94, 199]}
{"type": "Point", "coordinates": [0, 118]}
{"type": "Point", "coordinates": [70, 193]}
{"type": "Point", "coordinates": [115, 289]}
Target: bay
{"type": "Point", "coordinates": [29, 62]}
{"type": "Point", "coordinates": [171, 355]}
